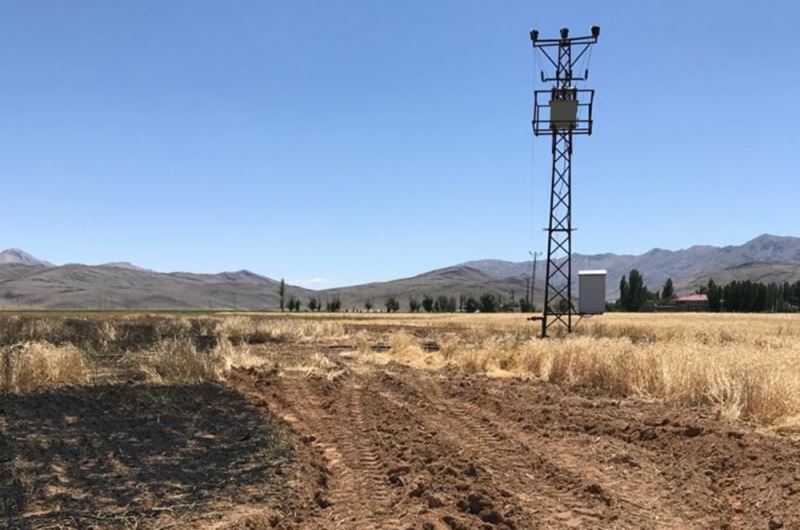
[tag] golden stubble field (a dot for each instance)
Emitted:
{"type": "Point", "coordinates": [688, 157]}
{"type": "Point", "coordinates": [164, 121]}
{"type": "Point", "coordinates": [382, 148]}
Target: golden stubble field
{"type": "Point", "coordinates": [745, 366]}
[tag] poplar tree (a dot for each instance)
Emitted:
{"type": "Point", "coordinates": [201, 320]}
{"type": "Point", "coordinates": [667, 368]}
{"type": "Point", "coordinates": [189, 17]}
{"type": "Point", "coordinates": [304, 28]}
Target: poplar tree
{"type": "Point", "coordinates": [668, 291]}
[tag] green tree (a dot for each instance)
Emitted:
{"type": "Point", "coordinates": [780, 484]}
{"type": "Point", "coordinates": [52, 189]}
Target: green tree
{"type": "Point", "coordinates": [525, 305]}
{"type": "Point", "coordinates": [638, 291]}
{"type": "Point", "coordinates": [714, 294]}
{"type": "Point", "coordinates": [312, 304]}
{"type": "Point", "coordinates": [655, 296]}
{"type": "Point", "coordinates": [427, 303]}
{"type": "Point", "coordinates": [442, 304]}
{"type": "Point", "coordinates": [413, 305]}
{"type": "Point", "coordinates": [668, 291]}
{"type": "Point", "coordinates": [392, 305]}
{"type": "Point", "coordinates": [368, 305]}
{"type": "Point", "coordinates": [282, 293]}
{"type": "Point", "coordinates": [624, 293]}
{"type": "Point", "coordinates": [471, 305]}
{"type": "Point", "coordinates": [509, 306]}
{"type": "Point", "coordinates": [632, 291]}
{"type": "Point", "coordinates": [452, 304]}
{"type": "Point", "coordinates": [333, 305]}
{"type": "Point", "coordinates": [489, 303]}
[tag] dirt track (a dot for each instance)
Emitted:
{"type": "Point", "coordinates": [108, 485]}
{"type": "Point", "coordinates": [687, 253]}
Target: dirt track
{"type": "Point", "coordinates": [401, 448]}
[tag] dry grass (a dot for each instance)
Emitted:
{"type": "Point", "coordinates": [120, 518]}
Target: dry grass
{"type": "Point", "coordinates": [32, 366]}
{"type": "Point", "coordinates": [745, 366]}
{"type": "Point", "coordinates": [254, 330]}
{"type": "Point", "coordinates": [178, 361]}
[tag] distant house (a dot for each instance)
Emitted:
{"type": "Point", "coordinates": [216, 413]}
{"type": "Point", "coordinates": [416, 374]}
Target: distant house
{"type": "Point", "coordinates": [692, 302]}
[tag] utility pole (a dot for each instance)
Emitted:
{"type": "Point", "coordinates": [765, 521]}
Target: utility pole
{"type": "Point", "coordinates": [561, 111]}
{"type": "Point", "coordinates": [528, 292]}
{"type": "Point", "coordinates": [533, 276]}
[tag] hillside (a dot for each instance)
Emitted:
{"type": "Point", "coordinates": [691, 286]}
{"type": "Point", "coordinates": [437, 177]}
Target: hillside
{"type": "Point", "coordinates": [763, 272]}
{"type": "Point", "coordinates": [26, 281]}
{"type": "Point", "coordinates": [658, 264]}
{"type": "Point", "coordinates": [126, 287]}
{"type": "Point", "coordinates": [450, 281]}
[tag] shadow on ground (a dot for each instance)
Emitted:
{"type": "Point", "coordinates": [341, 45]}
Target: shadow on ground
{"type": "Point", "coordinates": [126, 455]}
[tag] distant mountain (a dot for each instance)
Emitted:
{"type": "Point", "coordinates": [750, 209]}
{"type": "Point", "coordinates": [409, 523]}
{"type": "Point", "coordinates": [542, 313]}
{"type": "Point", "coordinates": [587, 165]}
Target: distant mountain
{"type": "Point", "coordinates": [761, 271]}
{"type": "Point", "coordinates": [19, 257]}
{"type": "Point", "coordinates": [26, 281]}
{"type": "Point", "coordinates": [114, 287]}
{"type": "Point", "coordinates": [658, 264]}
{"type": "Point", "coordinates": [124, 265]}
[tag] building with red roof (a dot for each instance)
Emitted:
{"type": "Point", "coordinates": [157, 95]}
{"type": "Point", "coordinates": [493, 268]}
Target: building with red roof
{"type": "Point", "coordinates": [692, 302]}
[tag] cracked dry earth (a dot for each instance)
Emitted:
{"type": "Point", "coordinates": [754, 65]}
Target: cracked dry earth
{"type": "Point", "coordinates": [383, 447]}
{"type": "Point", "coordinates": [396, 447]}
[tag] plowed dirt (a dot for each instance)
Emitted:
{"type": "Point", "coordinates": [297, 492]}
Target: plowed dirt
{"type": "Point", "coordinates": [403, 448]}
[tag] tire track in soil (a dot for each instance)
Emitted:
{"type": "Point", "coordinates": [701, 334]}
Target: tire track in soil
{"type": "Point", "coordinates": [369, 465]}
{"type": "Point", "coordinates": [538, 485]}
{"type": "Point", "coordinates": [354, 492]}
{"type": "Point", "coordinates": [643, 495]}
{"type": "Point", "coordinates": [555, 477]}
{"type": "Point", "coordinates": [452, 447]}
{"type": "Point", "coordinates": [580, 476]}
{"type": "Point", "coordinates": [566, 457]}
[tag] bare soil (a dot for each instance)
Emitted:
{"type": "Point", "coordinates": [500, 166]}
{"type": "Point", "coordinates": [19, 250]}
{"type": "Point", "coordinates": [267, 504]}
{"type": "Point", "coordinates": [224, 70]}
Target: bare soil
{"type": "Point", "coordinates": [138, 456]}
{"type": "Point", "coordinates": [401, 448]}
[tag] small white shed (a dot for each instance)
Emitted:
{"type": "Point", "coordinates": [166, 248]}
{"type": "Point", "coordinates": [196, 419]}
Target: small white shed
{"type": "Point", "coordinates": [592, 292]}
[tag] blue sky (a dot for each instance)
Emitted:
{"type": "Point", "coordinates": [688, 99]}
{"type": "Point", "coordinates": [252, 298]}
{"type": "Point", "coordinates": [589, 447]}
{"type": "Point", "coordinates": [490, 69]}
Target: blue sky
{"type": "Point", "coordinates": [365, 140]}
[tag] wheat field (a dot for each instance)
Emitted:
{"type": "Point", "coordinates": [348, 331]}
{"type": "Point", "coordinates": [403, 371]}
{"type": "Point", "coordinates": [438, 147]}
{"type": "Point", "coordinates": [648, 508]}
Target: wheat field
{"type": "Point", "coordinates": [745, 367]}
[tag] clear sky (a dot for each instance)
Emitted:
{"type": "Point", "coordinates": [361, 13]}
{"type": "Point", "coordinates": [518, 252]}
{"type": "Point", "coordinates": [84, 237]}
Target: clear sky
{"type": "Point", "coordinates": [354, 140]}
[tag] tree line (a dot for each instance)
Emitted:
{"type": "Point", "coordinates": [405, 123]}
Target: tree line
{"type": "Point", "coordinates": [736, 296]}
{"type": "Point", "coordinates": [633, 293]}
{"type": "Point", "coordinates": [752, 297]}
{"type": "Point", "coordinates": [485, 303]}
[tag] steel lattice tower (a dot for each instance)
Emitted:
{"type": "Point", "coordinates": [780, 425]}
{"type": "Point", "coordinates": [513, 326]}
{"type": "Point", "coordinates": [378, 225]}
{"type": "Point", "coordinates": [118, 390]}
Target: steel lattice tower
{"type": "Point", "coordinates": [562, 112]}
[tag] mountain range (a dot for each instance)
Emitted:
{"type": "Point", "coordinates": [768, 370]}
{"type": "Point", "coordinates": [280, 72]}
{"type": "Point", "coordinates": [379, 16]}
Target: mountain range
{"type": "Point", "coordinates": [28, 282]}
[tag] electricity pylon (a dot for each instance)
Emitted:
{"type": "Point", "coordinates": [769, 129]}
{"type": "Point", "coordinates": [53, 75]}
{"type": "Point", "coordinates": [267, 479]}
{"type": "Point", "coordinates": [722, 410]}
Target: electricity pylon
{"type": "Point", "coordinates": [562, 111]}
